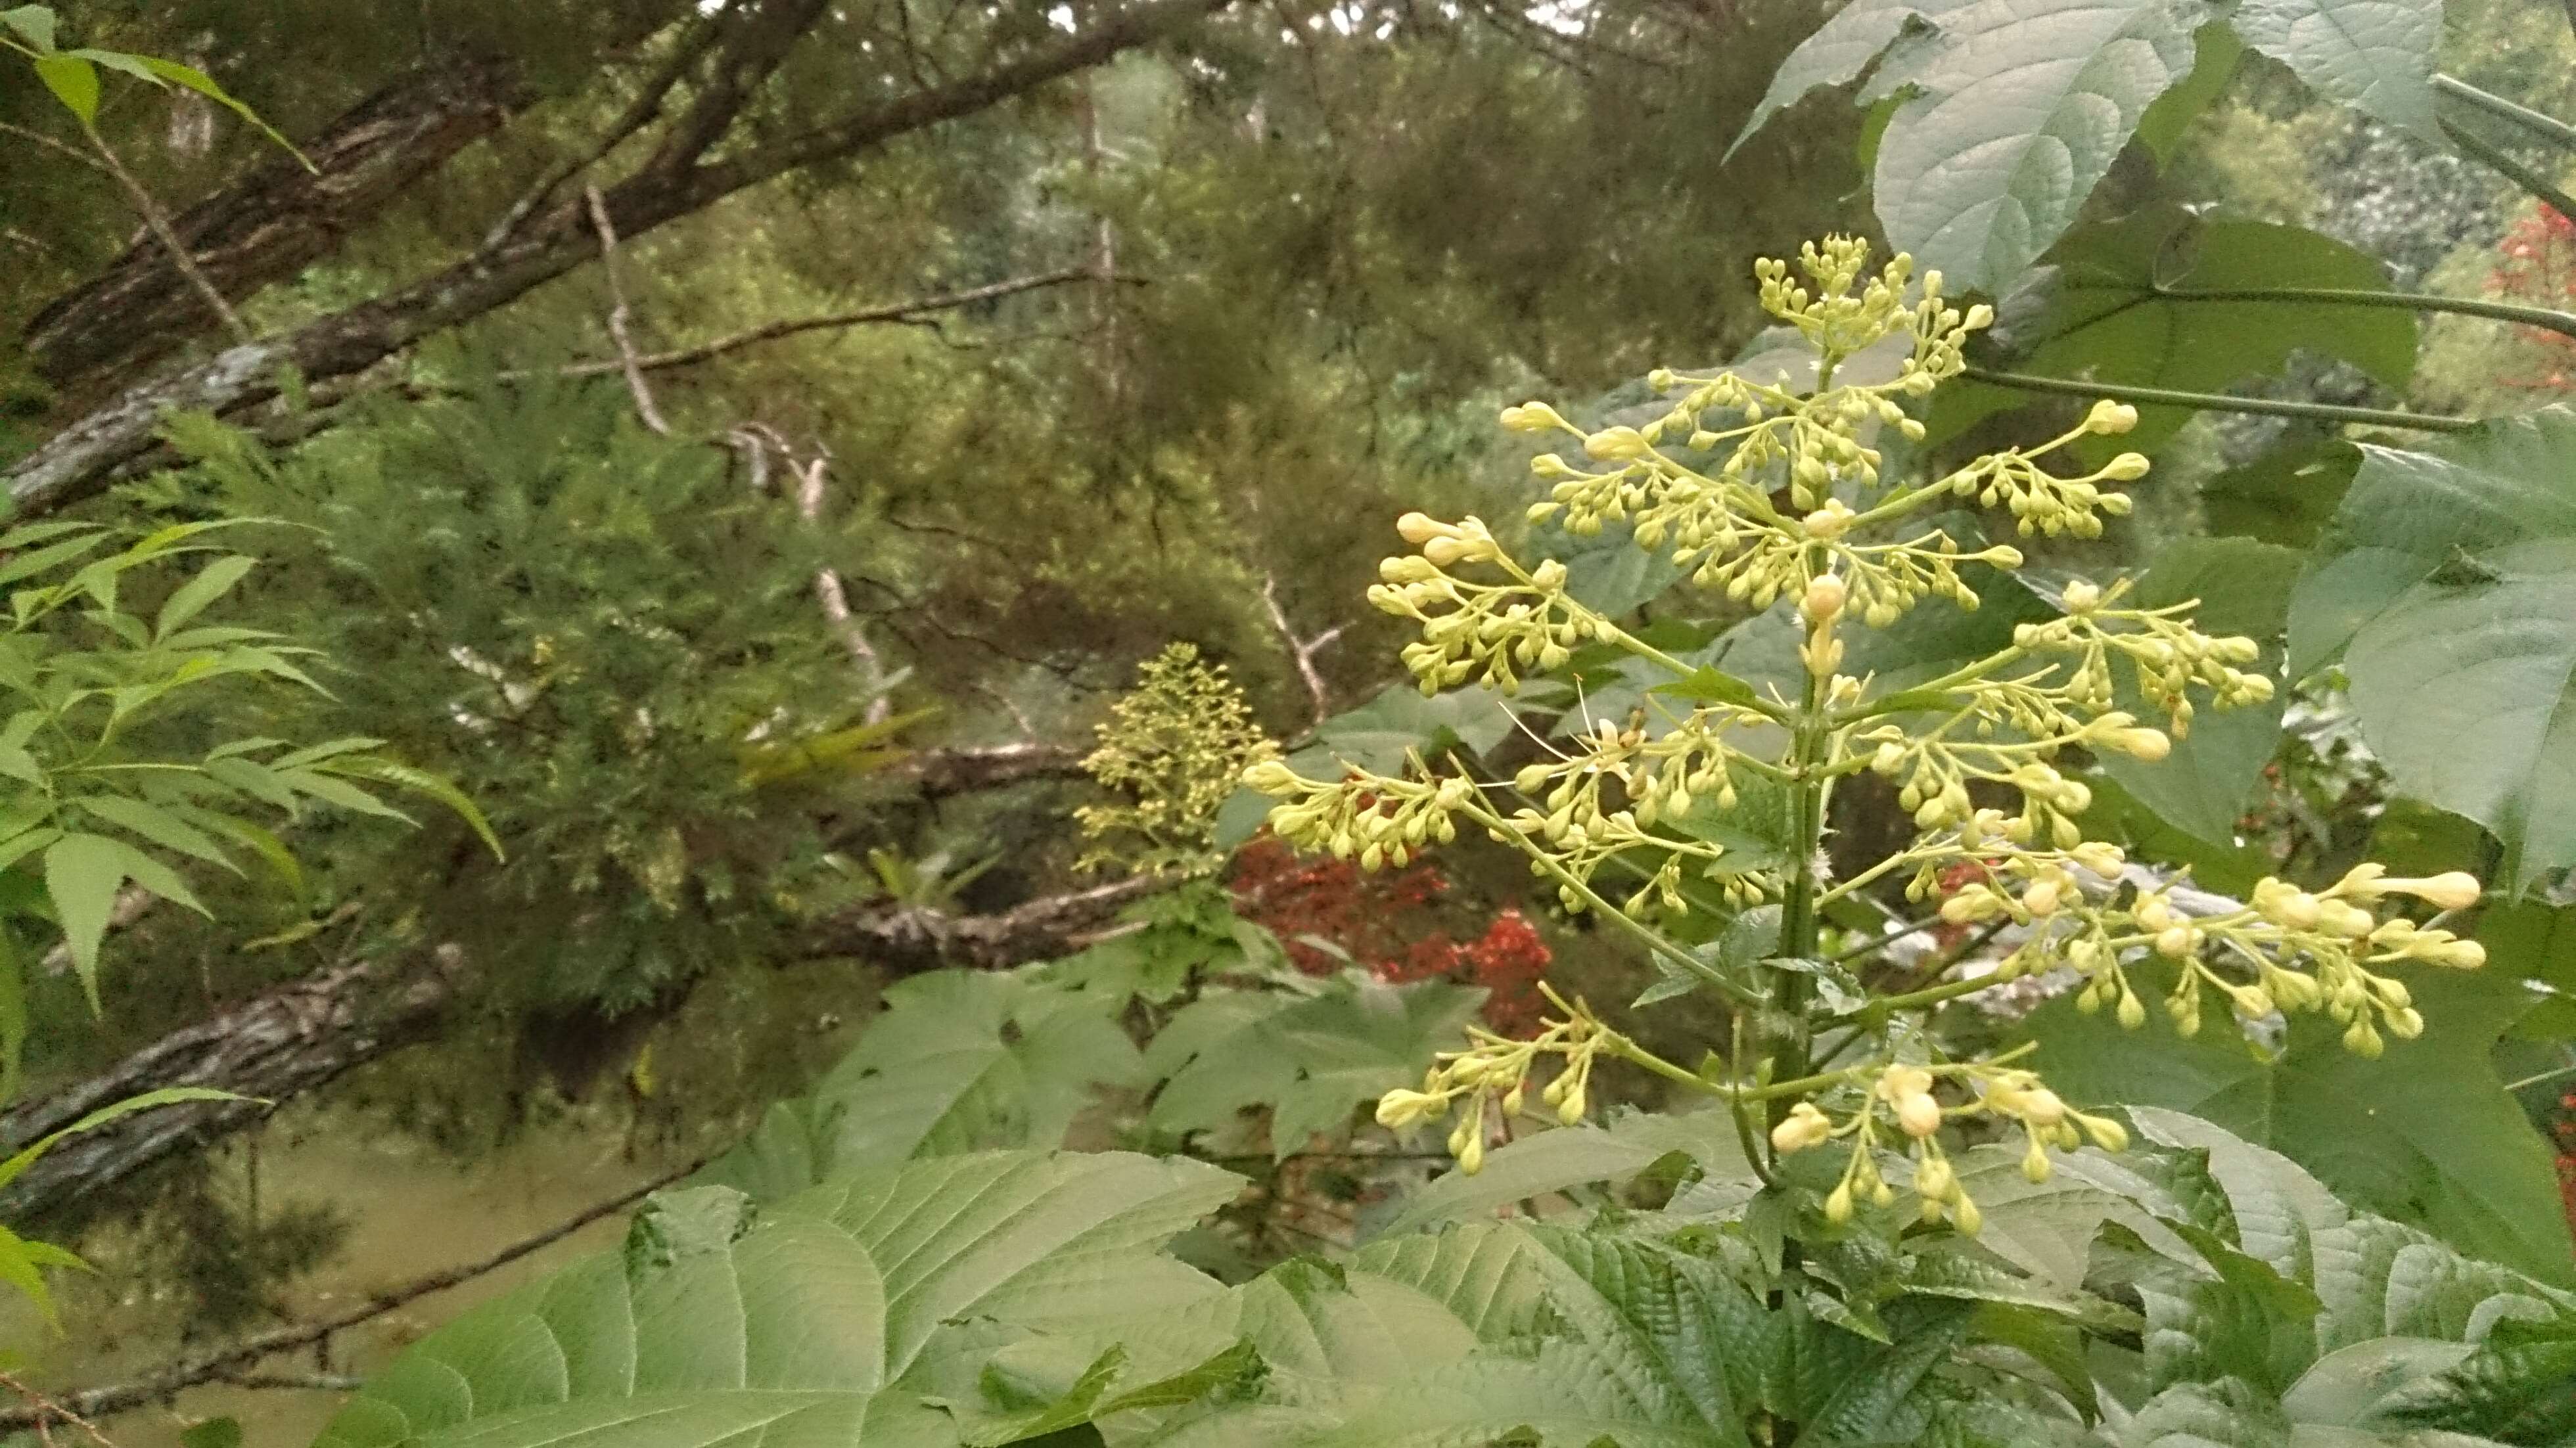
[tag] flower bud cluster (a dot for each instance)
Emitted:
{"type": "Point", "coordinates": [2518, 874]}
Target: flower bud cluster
{"type": "Point", "coordinates": [1494, 633]}
{"type": "Point", "coordinates": [1380, 821]}
{"type": "Point", "coordinates": [1171, 752]}
{"type": "Point", "coordinates": [1497, 1069]}
{"type": "Point", "coordinates": [1601, 800]}
{"type": "Point", "coordinates": [2044, 503]}
{"type": "Point", "coordinates": [2166, 654]}
{"type": "Point", "coordinates": [1901, 1102]}
{"type": "Point", "coordinates": [2284, 950]}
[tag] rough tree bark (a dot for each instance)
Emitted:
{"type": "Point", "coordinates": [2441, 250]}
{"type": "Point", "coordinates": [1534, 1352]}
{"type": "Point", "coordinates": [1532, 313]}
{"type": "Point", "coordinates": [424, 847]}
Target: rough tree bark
{"type": "Point", "coordinates": [301, 1036]}
{"type": "Point", "coordinates": [274, 222]}
{"type": "Point", "coordinates": [677, 179]}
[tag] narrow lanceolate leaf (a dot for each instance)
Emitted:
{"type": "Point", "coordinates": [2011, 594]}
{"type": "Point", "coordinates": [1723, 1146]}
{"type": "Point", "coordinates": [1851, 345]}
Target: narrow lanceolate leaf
{"type": "Point", "coordinates": [2023, 105]}
{"type": "Point", "coordinates": [82, 875]}
{"type": "Point", "coordinates": [2373, 55]}
{"type": "Point", "coordinates": [862, 1312]}
{"type": "Point", "coordinates": [200, 593]}
{"type": "Point", "coordinates": [2444, 582]}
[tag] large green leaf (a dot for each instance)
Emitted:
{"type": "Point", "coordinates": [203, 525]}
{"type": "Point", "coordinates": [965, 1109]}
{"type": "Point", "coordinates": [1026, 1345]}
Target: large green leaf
{"type": "Point", "coordinates": [2021, 107]}
{"type": "Point", "coordinates": [1310, 1062]}
{"type": "Point", "coordinates": [2374, 55]}
{"type": "Point", "coordinates": [1839, 51]}
{"type": "Point", "coordinates": [2242, 587]}
{"type": "Point", "coordinates": [2426, 1134]}
{"type": "Point", "coordinates": [848, 1314]}
{"type": "Point", "coordinates": [2444, 583]}
{"type": "Point", "coordinates": [960, 1061]}
{"type": "Point", "coordinates": [2107, 308]}
{"type": "Point", "coordinates": [1376, 736]}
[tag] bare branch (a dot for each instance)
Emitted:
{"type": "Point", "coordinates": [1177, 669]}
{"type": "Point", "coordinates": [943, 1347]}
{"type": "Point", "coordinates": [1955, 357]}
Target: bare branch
{"type": "Point", "coordinates": [891, 312]}
{"type": "Point", "coordinates": [617, 316]}
{"type": "Point", "coordinates": [1304, 650]}
{"type": "Point", "coordinates": [646, 108]}
{"type": "Point", "coordinates": [75, 153]}
{"type": "Point", "coordinates": [908, 939]}
{"type": "Point", "coordinates": [229, 1364]}
{"type": "Point", "coordinates": [83, 457]}
{"type": "Point", "coordinates": [159, 221]}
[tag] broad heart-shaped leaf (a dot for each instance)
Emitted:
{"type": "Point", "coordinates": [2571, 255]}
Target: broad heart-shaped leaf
{"type": "Point", "coordinates": [2373, 55]}
{"type": "Point", "coordinates": [2102, 309]}
{"type": "Point", "coordinates": [2425, 1135]}
{"type": "Point", "coordinates": [1376, 735]}
{"type": "Point", "coordinates": [2443, 582]}
{"type": "Point", "coordinates": [820, 1322]}
{"type": "Point", "coordinates": [1311, 1062]}
{"type": "Point", "coordinates": [960, 1061]}
{"type": "Point", "coordinates": [2243, 587]}
{"type": "Point", "coordinates": [2022, 106]}
{"type": "Point", "coordinates": [1838, 52]}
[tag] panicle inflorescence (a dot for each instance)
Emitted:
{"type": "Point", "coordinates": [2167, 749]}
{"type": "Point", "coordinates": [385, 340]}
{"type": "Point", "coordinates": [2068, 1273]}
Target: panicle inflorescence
{"type": "Point", "coordinates": [1775, 494]}
{"type": "Point", "coordinates": [1174, 748]}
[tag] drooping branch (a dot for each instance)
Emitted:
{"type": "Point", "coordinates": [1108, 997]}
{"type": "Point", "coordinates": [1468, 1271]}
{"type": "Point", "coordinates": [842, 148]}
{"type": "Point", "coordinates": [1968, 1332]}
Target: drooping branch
{"type": "Point", "coordinates": [675, 182]}
{"type": "Point", "coordinates": [232, 1364]}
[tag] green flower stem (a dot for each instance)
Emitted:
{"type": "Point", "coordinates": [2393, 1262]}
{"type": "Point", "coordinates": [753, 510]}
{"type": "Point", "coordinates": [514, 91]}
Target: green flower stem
{"type": "Point", "coordinates": [2542, 317]}
{"type": "Point", "coordinates": [2499, 160]}
{"type": "Point", "coordinates": [2221, 402]}
{"type": "Point", "coordinates": [2548, 128]}
{"type": "Point", "coordinates": [1935, 995]}
{"type": "Point", "coordinates": [1651, 939]}
{"type": "Point", "coordinates": [1809, 750]}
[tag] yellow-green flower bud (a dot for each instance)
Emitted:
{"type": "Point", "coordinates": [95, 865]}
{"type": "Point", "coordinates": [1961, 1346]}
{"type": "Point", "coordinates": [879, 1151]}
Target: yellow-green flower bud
{"type": "Point", "coordinates": [1532, 417]}
{"type": "Point", "coordinates": [1918, 1113]}
{"type": "Point", "coordinates": [1802, 1128]}
{"type": "Point", "coordinates": [1471, 1157]}
{"type": "Point", "coordinates": [1824, 598]}
{"type": "Point", "coordinates": [1838, 1204]}
{"type": "Point", "coordinates": [2126, 468]}
{"type": "Point", "coordinates": [1616, 444]}
{"type": "Point", "coordinates": [2450, 890]}
{"type": "Point", "coordinates": [2080, 596]}
{"type": "Point", "coordinates": [2109, 418]}
{"type": "Point", "coordinates": [2034, 1163]}
{"type": "Point", "coordinates": [1965, 1216]}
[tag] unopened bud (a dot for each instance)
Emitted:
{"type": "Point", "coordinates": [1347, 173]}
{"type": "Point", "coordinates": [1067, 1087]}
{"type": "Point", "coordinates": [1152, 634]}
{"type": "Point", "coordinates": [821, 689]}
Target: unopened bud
{"type": "Point", "coordinates": [2080, 596]}
{"type": "Point", "coordinates": [2126, 468]}
{"type": "Point", "coordinates": [1918, 1113]}
{"type": "Point", "coordinates": [1824, 599]}
{"type": "Point", "coordinates": [2109, 418]}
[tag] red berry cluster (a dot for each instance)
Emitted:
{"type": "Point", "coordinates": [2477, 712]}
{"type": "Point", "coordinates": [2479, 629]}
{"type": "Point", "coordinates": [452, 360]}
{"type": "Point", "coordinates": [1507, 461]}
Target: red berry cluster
{"type": "Point", "coordinates": [2538, 264]}
{"type": "Point", "coordinates": [1329, 913]}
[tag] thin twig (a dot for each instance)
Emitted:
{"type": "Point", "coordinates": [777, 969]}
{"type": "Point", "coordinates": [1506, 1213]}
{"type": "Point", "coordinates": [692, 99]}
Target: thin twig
{"type": "Point", "coordinates": [46, 1410]}
{"type": "Point", "coordinates": [159, 223]}
{"type": "Point", "coordinates": [51, 144]}
{"type": "Point", "coordinates": [773, 331]}
{"type": "Point", "coordinates": [237, 1359]}
{"type": "Point", "coordinates": [646, 107]}
{"type": "Point", "coordinates": [617, 316]}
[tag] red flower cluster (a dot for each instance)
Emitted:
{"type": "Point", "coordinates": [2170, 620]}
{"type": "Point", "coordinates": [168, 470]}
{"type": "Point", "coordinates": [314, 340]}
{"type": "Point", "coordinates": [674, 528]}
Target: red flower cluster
{"type": "Point", "coordinates": [2538, 264]}
{"type": "Point", "coordinates": [1329, 914]}
{"type": "Point", "coordinates": [2565, 1132]}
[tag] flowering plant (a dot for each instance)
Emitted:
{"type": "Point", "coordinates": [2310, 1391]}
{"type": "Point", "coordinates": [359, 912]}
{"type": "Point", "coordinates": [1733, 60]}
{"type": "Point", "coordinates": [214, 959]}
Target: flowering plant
{"type": "Point", "coordinates": [1774, 494]}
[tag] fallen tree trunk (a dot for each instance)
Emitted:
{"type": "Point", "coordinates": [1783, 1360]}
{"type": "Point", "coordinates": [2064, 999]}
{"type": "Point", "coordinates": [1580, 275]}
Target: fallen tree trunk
{"type": "Point", "coordinates": [279, 1044]}
{"type": "Point", "coordinates": [299, 1037]}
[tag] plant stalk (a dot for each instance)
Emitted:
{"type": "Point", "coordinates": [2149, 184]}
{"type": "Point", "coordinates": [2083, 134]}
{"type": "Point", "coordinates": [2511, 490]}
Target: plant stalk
{"type": "Point", "coordinates": [2544, 318]}
{"type": "Point", "coordinates": [2548, 128]}
{"type": "Point", "coordinates": [2221, 402]}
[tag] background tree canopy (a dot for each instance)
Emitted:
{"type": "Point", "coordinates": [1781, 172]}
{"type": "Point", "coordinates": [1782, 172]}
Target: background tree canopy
{"type": "Point", "coordinates": [727, 460]}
